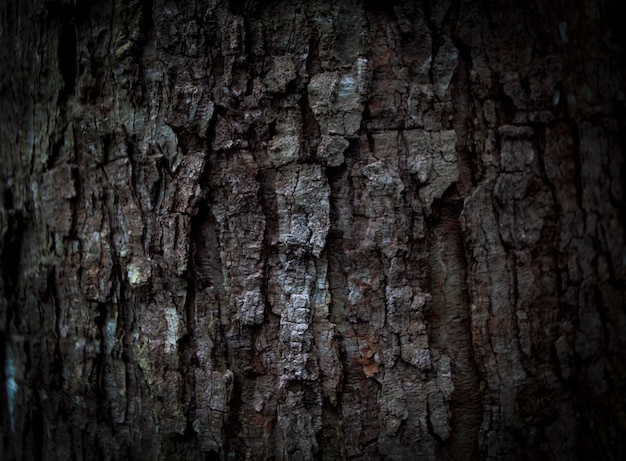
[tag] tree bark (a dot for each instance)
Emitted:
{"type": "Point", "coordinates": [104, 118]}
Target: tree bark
{"type": "Point", "coordinates": [312, 230]}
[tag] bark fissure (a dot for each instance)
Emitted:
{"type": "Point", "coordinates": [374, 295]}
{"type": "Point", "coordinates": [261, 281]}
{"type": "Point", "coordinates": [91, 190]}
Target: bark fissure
{"type": "Point", "coordinates": [451, 329]}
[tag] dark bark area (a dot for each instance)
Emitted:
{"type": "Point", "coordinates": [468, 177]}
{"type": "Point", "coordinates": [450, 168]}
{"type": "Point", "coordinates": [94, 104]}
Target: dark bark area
{"type": "Point", "coordinates": [311, 230]}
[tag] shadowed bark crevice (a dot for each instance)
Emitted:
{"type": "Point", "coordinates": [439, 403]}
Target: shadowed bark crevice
{"type": "Point", "coordinates": [450, 327]}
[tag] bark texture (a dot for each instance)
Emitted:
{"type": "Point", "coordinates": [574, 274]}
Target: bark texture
{"type": "Point", "coordinates": [312, 230]}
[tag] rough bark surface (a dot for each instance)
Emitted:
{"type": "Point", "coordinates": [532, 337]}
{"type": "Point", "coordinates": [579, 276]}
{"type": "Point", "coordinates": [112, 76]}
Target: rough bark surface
{"type": "Point", "coordinates": [298, 230]}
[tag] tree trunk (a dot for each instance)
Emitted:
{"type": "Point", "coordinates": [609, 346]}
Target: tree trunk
{"type": "Point", "coordinates": [312, 230]}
